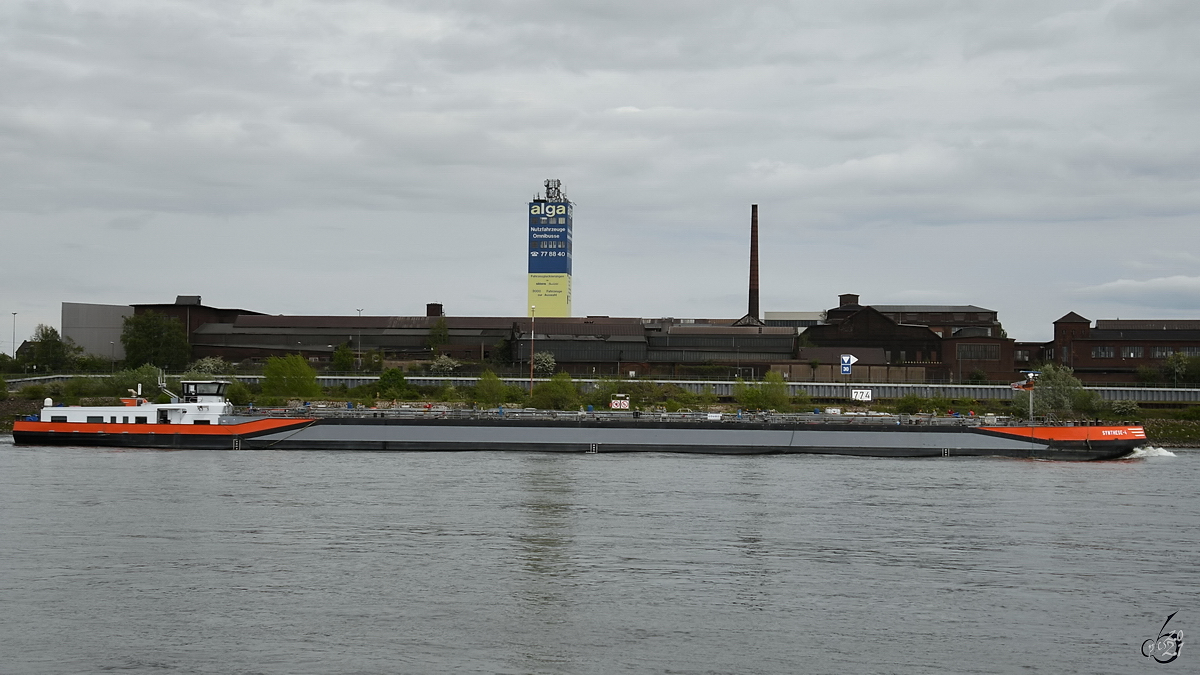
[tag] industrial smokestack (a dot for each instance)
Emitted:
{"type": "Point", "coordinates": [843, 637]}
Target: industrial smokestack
{"type": "Point", "coordinates": [752, 310]}
{"type": "Point", "coordinates": [751, 318]}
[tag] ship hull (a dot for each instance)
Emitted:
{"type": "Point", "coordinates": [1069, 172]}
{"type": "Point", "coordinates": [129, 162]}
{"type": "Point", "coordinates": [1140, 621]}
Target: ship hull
{"type": "Point", "coordinates": [607, 436]}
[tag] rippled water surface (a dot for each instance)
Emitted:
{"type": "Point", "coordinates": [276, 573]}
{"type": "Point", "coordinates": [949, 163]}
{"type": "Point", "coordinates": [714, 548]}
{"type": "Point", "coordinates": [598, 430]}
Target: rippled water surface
{"type": "Point", "coordinates": [341, 562]}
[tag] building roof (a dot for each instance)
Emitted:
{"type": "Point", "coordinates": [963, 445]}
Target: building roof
{"type": "Point", "coordinates": [1072, 317]}
{"type": "Point", "coordinates": [1165, 335]}
{"type": "Point", "coordinates": [1147, 324]}
{"type": "Point", "coordinates": [931, 308]}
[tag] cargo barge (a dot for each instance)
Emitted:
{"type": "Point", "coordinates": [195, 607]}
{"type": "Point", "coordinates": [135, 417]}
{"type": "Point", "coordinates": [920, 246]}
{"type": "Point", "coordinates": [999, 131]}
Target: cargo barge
{"type": "Point", "coordinates": [203, 419]}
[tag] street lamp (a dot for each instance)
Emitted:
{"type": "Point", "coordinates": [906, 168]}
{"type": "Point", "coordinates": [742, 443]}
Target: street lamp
{"type": "Point", "coordinates": [358, 355]}
{"type": "Point", "coordinates": [532, 337]}
{"type": "Point", "coordinates": [112, 357]}
{"type": "Point", "coordinates": [14, 336]}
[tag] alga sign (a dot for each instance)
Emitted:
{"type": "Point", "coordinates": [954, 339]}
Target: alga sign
{"type": "Point", "coordinates": [550, 249]}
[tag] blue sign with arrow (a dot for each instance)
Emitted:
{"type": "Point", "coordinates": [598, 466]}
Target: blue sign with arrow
{"type": "Point", "coordinates": [848, 360]}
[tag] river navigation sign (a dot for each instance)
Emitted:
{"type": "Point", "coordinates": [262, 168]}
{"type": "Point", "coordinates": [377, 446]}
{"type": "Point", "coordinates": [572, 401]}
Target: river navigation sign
{"type": "Point", "coordinates": [847, 361]}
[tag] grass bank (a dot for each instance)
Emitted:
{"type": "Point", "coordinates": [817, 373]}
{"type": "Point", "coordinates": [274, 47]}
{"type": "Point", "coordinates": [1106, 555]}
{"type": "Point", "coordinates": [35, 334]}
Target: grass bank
{"type": "Point", "coordinates": [10, 409]}
{"type": "Point", "coordinates": [1173, 433]}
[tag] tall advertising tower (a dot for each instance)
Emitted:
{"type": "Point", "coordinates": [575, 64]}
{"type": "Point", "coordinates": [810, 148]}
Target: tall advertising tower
{"type": "Point", "coordinates": [550, 253]}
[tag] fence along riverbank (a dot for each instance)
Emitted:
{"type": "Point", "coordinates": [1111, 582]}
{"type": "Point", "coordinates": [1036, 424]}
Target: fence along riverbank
{"type": "Point", "coordinates": [821, 390]}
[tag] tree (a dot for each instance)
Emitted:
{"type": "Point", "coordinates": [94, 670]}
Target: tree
{"type": "Point", "coordinates": [156, 339]}
{"type": "Point", "coordinates": [775, 391]}
{"type": "Point", "coordinates": [393, 385]}
{"type": "Point", "coordinates": [238, 393]}
{"type": "Point", "coordinates": [443, 365]}
{"type": "Point", "coordinates": [557, 394]}
{"type": "Point", "coordinates": [439, 335]}
{"type": "Point", "coordinates": [544, 364]}
{"type": "Point", "coordinates": [747, 395]}
{"type": "Point", "coordinates": [1176, 367]}
{"type": "Point", "coordinates": [3, 389]}
{"type": "Point", "coordinates": [50, 352]}
{"type": "Point", "coordinates": [977, 376]}
{"type": "Point", "coordinates": [210, 366]}
{"type": "Point", "coordinates": [490, 390]}
{"type": "Point", "coordinates": [290, 376]}
{"type": "Point", "coordinates": [1059, 392]}
{"type": "Point", "coordinates": [343, 358]}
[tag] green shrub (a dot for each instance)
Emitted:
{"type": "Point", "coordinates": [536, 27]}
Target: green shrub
{"type": "Point", "coordinates": [1124, 407]}
{"type": "Point", "coordinates": [393, 385]}
{"type": "Point", "coordinates": [910, 404]}
{"type": "Point", "coordinates": [1192, 413]}
{"type": "Point", "coordinates": [557, 394]}
{"type": "Point", "coordinates": [238, 393]}
{"type": "Point", "coordinates": [290, 376]}
{"type": "Point", "coordinates": [489, 390]}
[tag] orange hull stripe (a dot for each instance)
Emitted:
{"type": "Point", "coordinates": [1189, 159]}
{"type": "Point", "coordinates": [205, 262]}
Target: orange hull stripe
{"type": "Point", "coordinates": [165, 429]}
{"type": "Point", "coordinates": [1073, 433]}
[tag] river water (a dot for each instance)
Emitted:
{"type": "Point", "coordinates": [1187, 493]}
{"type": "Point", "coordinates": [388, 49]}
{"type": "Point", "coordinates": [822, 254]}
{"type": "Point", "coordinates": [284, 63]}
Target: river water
{"type": "Point", "coordinates": [346, 562]}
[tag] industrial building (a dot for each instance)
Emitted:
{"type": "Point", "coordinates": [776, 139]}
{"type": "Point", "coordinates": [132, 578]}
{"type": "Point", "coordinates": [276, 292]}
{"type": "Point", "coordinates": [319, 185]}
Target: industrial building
{"type": "Point", "coordinates": [1119, 350]}
{"type": "Point", "coordinates": [893, 343]}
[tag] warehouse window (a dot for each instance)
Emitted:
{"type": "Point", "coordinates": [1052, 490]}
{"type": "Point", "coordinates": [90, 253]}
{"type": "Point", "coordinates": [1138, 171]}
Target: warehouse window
{"type": "Point", "coordinates": [976, 352]}
{"type": "Point", "coordinates": [1132, 352]}
{"type": "Point", "coordinates": [1161, 352]}
{"type": "Point", "coordinates": [1103, 352]}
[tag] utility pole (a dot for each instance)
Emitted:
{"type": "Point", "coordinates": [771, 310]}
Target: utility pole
{"type": "Point", "coordinates": [532, 337]}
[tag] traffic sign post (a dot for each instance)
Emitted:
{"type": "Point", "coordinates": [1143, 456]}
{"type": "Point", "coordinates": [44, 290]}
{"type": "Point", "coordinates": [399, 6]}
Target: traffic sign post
{"type": "Point", "coordinates": [848, 360]}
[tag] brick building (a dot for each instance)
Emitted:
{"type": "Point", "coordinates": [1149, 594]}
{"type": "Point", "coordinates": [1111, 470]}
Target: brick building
{"type": "Point", "coordinates": [1115, 350]}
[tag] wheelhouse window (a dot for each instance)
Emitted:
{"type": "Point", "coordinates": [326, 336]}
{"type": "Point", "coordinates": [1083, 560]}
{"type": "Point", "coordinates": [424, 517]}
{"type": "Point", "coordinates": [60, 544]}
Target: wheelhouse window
{"type": "Point", "coordinates": [204, 388]}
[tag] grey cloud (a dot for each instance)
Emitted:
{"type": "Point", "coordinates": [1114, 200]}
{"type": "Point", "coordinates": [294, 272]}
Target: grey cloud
{"type": "Point", "coordinates": [1178, 293]}
{"type": "Point", "coordinates": [882, 139]}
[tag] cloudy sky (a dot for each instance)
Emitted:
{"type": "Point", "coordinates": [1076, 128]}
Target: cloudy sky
{"type": "Point", "coordinates": [1030, 156]}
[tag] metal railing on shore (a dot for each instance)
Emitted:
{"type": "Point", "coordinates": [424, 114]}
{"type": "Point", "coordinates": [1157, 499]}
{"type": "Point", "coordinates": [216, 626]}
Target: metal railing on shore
{"type": "Point", "coordinates": [725, 388]}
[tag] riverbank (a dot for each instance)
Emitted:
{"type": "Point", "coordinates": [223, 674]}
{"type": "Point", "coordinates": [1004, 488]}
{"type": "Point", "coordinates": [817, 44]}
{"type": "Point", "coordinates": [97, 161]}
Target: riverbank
{"type": "Point", "coordinates": [12, 408]}
{"type": "Point", "coordinates": [1173, 433]}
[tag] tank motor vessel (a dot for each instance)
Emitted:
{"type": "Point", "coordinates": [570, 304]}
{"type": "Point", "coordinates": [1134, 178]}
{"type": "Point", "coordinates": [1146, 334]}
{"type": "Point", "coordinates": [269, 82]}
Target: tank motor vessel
{"type": "Point", "coordinates": [202, 418]}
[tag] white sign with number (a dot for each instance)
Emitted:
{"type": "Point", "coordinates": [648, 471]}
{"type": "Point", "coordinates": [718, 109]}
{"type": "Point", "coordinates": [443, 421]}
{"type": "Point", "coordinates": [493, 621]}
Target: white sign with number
{"type": "Point", "coordinates": [861, 394]}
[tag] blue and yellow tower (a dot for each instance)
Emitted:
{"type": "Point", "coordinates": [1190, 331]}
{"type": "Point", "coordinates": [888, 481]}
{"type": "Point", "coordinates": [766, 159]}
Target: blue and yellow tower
{"type": "Point", "coordinates": [550, 252]}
